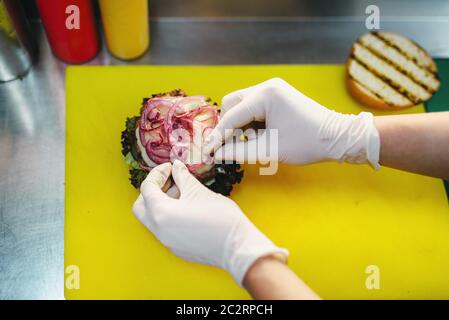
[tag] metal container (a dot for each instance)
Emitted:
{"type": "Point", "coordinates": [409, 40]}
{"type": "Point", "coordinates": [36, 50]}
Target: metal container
{"type": "Point", "coordinates": [17, 48]}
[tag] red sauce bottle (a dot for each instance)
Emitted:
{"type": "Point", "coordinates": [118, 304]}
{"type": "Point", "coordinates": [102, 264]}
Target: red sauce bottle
{"type": "Point", "coordinates": [71, 29]}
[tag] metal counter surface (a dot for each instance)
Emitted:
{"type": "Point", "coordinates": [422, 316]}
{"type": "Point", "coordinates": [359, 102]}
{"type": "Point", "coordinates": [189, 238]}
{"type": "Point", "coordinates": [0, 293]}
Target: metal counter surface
{"type": "Point", "coordinates": [32, 120]}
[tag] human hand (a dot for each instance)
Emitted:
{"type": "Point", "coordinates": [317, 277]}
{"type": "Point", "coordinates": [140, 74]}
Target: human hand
{"type": "Point", "coordinates": [307, 131]}
{"type": "Point", "coordinates": [201, 226]}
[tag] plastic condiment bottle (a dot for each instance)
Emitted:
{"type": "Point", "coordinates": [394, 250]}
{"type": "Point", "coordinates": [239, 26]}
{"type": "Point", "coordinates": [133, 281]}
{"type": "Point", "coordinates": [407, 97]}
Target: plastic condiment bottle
{"type": "Point", "coordinates": [71, 29]}
{"type": "Point", "coordinates": [126, 27]}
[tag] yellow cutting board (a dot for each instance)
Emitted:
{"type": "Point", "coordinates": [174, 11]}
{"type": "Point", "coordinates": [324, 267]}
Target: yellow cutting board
{"type": "Point", "coordinates": [336, 219]}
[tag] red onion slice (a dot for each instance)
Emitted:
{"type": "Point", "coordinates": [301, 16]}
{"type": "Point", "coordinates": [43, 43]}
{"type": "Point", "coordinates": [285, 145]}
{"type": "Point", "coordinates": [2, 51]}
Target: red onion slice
{"type": "Point", "coordinates": [175, 128]}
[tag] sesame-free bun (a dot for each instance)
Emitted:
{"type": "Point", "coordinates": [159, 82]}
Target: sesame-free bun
{"type": "Point", "coordinates": [388, 71]}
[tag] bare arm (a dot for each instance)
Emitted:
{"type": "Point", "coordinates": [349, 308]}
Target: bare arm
{"type": "Point", "coordinates": [270, 279]}
{"type": "Point", "coordinates": [417, 143]}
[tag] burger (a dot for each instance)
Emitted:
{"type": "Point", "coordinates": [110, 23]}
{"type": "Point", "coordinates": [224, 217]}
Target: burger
{"type": "Point", "coordinates": [170, 126]}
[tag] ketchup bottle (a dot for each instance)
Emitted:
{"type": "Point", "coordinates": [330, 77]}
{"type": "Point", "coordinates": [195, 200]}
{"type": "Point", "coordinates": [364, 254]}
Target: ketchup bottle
{"type": "Point", "coordinates": [71, 30]}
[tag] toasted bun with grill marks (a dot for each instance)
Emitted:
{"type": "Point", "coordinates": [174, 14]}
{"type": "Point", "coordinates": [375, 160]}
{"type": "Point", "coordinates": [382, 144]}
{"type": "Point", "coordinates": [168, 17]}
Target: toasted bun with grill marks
{"type": "Point", "coordinates": [388, 71]}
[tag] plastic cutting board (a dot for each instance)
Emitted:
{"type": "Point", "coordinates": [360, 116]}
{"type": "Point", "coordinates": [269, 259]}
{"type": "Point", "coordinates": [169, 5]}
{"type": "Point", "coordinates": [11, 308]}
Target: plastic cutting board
{"type": "Point", "coordinates": [336, 219]}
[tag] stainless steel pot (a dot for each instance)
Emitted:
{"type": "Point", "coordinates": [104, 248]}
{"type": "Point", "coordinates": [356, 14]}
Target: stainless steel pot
{"type": "Point", "coordinates": [17, 47]}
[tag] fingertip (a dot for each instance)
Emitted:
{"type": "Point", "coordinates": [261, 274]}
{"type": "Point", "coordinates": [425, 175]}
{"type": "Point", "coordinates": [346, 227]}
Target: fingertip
{"type": "Point", "coordinates": [213, 141]}
{"type": "Point", "coordinates": [158, 175]}
{"type": "Point", "coordinates": [219, 154]}
{"type": "Point", "coordinates": [152, 186]}
{"type": "Point", "coordinates": [179, 171]}
{"type": "Point", "coordinates": [164, 168]}
{"type": "Point", "coordinates": [229, 101]}
{"type": "Point", "coordinates": [138, 207]}
{"type": "Point", "coordinates": [177, 164]}
{"type": "Point", "coordinates": [173, 192]}
{"type": "Point", "coordinates": [184, 180]}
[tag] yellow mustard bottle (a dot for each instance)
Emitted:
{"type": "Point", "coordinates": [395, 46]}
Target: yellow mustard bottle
{"type": "Point", "coordinates": [5, 22]}
{"type": "Point", "coordinates": [126, 27]}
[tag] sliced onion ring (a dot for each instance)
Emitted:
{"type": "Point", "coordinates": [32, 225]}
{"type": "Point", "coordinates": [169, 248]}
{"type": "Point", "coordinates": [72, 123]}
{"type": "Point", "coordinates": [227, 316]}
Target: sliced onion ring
{"type": "Point", "coordinates": [175, 128]}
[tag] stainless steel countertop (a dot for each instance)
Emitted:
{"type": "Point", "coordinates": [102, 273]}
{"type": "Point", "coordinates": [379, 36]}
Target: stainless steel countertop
{"type": "Point", "coordinates": [32, 120]}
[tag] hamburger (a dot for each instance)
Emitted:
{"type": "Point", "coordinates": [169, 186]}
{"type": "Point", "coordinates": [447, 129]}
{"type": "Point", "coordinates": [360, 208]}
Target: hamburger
{"type": "Point", "coordinates": [170, 126]}
{"type": "Point", "coordinates": [388, 71]}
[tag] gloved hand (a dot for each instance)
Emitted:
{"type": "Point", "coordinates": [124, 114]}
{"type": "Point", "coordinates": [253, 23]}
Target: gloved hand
{"type": "Point", "coordinates": [307, 131]}
{"type": "Point", "coordinates": [201, 226]}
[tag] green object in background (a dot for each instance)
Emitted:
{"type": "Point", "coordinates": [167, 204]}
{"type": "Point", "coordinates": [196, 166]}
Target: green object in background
{"type": "Point", "coordinates": [440, 100]}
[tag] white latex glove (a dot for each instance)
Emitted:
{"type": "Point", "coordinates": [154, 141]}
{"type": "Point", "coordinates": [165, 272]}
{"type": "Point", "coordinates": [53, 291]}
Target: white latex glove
{"type": "Point", "coordinates": [201, 226]}
{"type": "Point", "coordinates": [307, 131]}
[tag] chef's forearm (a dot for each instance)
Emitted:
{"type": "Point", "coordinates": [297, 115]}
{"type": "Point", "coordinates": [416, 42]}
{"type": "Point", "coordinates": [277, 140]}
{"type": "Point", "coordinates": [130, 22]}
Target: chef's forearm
{"type": "Point", "coordinates": [270, 279]}
{"type": "Point", "coordinates": [417, 143]}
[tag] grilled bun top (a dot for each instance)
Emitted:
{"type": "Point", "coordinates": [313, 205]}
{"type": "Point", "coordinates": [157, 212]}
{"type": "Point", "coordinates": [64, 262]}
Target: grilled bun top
{"type": "Point", "coordinates": [387, 70]}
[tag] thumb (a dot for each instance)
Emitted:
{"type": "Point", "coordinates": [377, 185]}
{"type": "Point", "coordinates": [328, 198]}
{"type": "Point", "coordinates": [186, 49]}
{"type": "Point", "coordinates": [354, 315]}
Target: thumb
{"type": "Point", "coordinates": [232, 99]}
{"type": "Point", "coordinates": [240, 151]}
{"type": "Point", "coordinates": [248, 110]}
{"type": "Point", "coordinates": [151, 187]}
{"type": "Point", "coordinates": [184, 180]}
